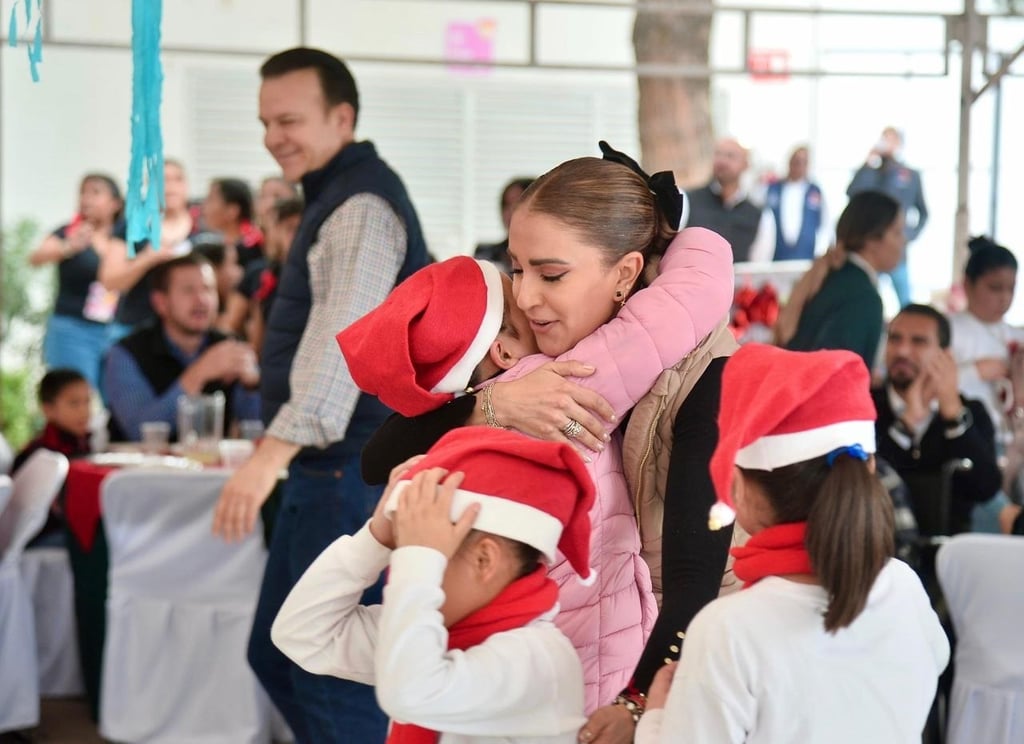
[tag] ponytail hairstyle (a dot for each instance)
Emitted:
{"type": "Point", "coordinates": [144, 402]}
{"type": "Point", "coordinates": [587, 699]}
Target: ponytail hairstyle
{"type": "Point", "coordinates": [607, 204]}
{"type": "Point", "coordinates": [850, 526]}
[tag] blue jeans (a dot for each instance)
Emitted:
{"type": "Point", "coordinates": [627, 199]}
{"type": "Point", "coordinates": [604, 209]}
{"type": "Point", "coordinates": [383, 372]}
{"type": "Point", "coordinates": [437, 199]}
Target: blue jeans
{"type": "Point", "coordinates": [75, 343]}
{"type": "Point", "coordinates": [317, 507]}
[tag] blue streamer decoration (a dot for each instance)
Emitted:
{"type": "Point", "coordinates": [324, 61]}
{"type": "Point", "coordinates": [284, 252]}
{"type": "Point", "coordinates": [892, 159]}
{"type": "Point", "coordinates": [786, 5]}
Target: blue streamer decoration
{"type": "Point", "coordinates": [145, 197]}
{"type": "Point", "coordinates": [35, 47]}
{"type": "Point", "coordinates": [12, 28]}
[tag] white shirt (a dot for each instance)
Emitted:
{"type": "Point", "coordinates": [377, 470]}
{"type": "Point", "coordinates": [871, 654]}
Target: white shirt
{"type": "Point", "coordinates": [523, 686]}
{"type": "Point", "coordinates": [759, 667]}
{"type": "Point", "coordinates": [972, 341]}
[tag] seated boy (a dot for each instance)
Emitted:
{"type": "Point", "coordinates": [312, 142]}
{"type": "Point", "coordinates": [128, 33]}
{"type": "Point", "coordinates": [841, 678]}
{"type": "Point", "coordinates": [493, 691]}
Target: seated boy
{"type": "Point", "coordinates": [464, 647]}
{"type": "Point", "coordinates": [66, 400]}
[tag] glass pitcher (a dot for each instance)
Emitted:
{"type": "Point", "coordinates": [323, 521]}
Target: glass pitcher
{"type": "Point", "coordinates": [201, 426]}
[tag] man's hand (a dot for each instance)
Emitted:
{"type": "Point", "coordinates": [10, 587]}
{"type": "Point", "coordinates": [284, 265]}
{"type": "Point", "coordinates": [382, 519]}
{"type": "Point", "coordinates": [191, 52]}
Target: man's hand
{"type": "Point", "coordinates": [381, 528]}
{"type": "Point", "coordinates": [918, 398]}
{"type": "Point", "coordinates": [612, 724]}
{"type": "Point", "coordinates": [227, 362]}
{"type": "Point", "coordinates": [246, 490]}
{"type": "Point", "coordinates": [543, 402]}
{"type": "Point", "coordinates": [1007, 516]}
{"type": "Point", "coordinates": [423, 516]}
{"type": "Point", "coordinates": [941, 369]}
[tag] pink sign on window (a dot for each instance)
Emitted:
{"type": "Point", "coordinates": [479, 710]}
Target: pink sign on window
{"type": "Point", "coordinates": [470, 41]}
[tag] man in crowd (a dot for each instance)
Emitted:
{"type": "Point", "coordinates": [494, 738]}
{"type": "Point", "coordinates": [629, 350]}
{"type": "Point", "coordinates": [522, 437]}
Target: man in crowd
{"type": "Point", "coordinates": [798, 208]}
{"type": "Point", "coordinates": [147, 371]}
{"type": "Point", "coordinates": [724, 206]}
{"type": "Point", "coordinates": [884, 171]}
{"type": "Point", "coordinates": [358, 237]}
{"type": "Point", "coordinates": [925, 426]}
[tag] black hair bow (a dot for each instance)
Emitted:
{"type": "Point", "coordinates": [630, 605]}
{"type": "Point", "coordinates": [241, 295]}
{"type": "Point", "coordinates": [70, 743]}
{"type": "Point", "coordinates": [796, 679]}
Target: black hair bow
{"type": "Point", "coordinates": [662, 184]}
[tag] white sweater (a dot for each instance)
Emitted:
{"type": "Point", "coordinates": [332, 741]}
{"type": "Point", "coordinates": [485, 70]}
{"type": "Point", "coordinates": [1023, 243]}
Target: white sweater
{"type": "Point", "coordinates": [972, 341]}
{"type": "Point", "coordinates": [759, 667]}
{"type": "Point", "coordinates": [523, 686]}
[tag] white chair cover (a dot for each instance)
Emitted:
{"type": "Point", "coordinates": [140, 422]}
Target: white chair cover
{"type": "Point", "coordinates": [34, 488]}
{"type": "Point", "coordinates": [6, 457]}
{"type": "Point", "coordinates": [47, 576]}
{"type": "Point", "coordinates": [179, 613]}
{"type": "Point", "coordinates": [980, 577]}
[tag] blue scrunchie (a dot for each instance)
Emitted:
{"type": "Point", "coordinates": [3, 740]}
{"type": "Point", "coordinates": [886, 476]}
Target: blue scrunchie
{"type": "Point", "coordinates": [853, 450]}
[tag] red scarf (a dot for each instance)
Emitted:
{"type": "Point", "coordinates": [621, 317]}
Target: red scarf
{"type": "Point", "coordinates": [774, 551]}
{"type": "Point", "coordinates": [519, 603]}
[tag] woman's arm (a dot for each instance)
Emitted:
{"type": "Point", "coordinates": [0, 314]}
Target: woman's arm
{"type": "Point", "coordinates": [60, 245]}
{"type": "Point", "coordinates": [119, 273]}
{"type": "Point", "coordinates": [537, 404]}
{"type": "Point", "coordinates": [693, 557]}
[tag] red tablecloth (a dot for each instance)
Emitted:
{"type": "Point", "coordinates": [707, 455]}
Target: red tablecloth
{"type": "Point", "coordinates": [82, 500]}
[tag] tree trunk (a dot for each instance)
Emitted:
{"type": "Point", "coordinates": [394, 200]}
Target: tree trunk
{"type": "Point", "coordinates": [675, 112]}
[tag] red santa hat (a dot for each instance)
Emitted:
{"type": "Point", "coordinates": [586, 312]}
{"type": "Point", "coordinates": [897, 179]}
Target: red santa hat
{"type": "Point", "coordinates": [529, 490]}
{"type": "Point", "coordinates": [418, 349]}
{"type": "Point", "coordinates": [784, 407]}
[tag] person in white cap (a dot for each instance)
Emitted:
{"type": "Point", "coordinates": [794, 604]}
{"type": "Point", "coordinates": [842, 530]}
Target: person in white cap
{"type": "Point", "coordinates": [832, 640]}
{"type": "Point", "coordinates": [464, 647]}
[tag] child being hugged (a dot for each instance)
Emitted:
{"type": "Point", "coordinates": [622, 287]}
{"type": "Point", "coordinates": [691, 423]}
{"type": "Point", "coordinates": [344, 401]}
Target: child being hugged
{"type": "Point", "coordinates": [463, 648]}
{"type": "Point", "coordinates": [832, 640]}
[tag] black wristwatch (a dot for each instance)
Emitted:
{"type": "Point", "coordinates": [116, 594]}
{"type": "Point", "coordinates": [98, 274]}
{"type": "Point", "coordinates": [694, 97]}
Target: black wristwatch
{"type": "Point", "coordinates": [955, 427]}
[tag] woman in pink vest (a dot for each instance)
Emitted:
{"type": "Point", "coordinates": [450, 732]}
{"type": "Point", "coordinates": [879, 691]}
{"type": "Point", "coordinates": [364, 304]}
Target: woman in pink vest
{"type": "Point", "coordinates": [583, 239]}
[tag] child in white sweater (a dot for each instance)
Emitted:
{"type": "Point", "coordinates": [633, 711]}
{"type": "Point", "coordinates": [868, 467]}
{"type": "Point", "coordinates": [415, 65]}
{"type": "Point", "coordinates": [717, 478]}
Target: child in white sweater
{"type": "Point", "coordinates": [464, 647]}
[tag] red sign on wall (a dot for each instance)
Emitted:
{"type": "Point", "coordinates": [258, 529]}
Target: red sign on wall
{"type": "Point", "coordinates": [768, 64]}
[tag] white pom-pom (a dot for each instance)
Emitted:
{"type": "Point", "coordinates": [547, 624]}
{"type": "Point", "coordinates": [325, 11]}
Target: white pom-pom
{"type": "Point", "coordinates": [721, 515]}
{"type": "Point", "coordinates": [589, 581]}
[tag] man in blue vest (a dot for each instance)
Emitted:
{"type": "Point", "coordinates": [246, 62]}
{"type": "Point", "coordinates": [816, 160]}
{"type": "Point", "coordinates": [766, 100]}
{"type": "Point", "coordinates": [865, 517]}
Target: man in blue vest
{"type": "Point", "coordinates": [884, 171]}
{"type": "Point", "coordinates": [799, 212]}
{"type": "Point", "coordinates": [358, 237]}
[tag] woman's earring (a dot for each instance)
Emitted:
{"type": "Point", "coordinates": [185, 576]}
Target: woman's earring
{"type": "Point", "coordinates": [620, 297]}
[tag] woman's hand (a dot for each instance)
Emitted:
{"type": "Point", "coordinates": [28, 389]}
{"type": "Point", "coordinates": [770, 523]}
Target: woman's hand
{"type": "Point", "coordinates": [612, 724]}
{"type": "Point", "coordinates": [543, 403]}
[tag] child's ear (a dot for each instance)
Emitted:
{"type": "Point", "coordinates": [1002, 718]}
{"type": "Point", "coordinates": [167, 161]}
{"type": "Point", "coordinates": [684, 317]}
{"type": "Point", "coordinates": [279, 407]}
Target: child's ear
{"type": "Point", "coordinates": [502, 356]}
{"type": "Point", "coordinates": [487, 558]}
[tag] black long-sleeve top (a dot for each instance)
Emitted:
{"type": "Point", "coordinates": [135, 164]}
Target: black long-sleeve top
{"type": "Point", "coordinates": [693, 557]}
{"type": "Point", "coordinates": [926, 457]}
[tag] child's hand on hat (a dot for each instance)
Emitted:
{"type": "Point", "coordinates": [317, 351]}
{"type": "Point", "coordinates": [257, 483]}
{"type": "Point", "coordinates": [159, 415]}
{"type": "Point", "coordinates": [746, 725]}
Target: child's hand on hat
{"type": "Point", "coordinates": [423, 516]}
{"type": "Point", "coordinates": [380, 526]}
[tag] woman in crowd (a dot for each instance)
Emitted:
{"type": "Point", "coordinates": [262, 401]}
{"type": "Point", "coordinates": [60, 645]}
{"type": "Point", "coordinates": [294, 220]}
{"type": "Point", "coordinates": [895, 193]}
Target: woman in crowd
{"type": "Point", "coordinates": [983, 344]}
{"type": "Point", "coordinates": [831, 638]}
{"type": "Point", "coordinates": [126, 274]}
{"type": "Point", "coordinates": [76, 334]}
{"type": "Point", "coordinates": [841, 309]}
{"type": "Point", "coordinates": [273, 189]}
{"type": "Point", "coordinates": [570, 236]}
{"type": "Point", "coordinates": [228, 210]}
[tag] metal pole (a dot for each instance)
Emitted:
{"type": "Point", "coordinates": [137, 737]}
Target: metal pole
{"type": "Point", "coordinates": [997, 146]}
{"type": "Point", "coordinates": [960, 226]}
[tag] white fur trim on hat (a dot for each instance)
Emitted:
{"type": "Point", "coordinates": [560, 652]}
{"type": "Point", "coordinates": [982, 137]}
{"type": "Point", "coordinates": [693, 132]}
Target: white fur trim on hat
{"type": "Point", "coordinates": [778, 450]}
{"type": "Point", "coordinates": [458, 377]}
{"type": "Point", "coordinates": [511, 519]}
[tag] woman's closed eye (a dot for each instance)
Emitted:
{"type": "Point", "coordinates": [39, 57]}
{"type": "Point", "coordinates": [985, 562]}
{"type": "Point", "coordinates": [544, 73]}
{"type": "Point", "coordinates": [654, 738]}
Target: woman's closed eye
{"type": "Point", "coordinates": [553, 277]}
